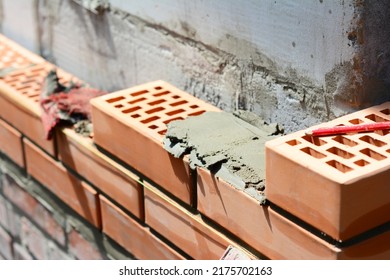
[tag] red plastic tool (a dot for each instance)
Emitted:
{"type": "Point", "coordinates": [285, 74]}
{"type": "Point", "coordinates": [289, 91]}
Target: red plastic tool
{"type": "Point", "coordinates": [349, 129]}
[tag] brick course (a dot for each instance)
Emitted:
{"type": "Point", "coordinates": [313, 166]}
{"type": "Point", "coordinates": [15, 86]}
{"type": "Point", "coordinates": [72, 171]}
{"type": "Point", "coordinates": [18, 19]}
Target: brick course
{"type": "Point", "coordinates": [119, 194]}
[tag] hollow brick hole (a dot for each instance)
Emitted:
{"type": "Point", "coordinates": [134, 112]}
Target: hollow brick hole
{"type": "Point", "coordinates": [341, 153]}
{"type": "Point", "coordinates": [372, 141]}
{"type": "Point", "coordinates": [339, 166]}
{"type": "Point", "coordinates": [314, 140]}
{"type": "Point", "coordinates": [372, 154]}
{"type": "Point", "coordinates": [293, 142]}
{"type": "Point", "coordinates": [361, 162]}
{"type": "Point", "coordinates": [313, 153]}
{"type": "Point", "coordinates": [344, 140]}
{"type": "Point", "coordinates": [376, 118]}
{"type": "Point", "coordinates": [356, 121]}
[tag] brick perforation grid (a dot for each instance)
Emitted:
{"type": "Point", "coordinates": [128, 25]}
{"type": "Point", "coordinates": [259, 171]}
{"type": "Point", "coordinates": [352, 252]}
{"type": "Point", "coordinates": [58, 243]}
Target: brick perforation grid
{"type": "Point", "coordinates": [9, 57]}
{"type": "Point", "coordinates": [29, 82]}
{"type": "Point", "coordinates": [349, 153]}
{"type": "Point", "coordinates": [155, 105]}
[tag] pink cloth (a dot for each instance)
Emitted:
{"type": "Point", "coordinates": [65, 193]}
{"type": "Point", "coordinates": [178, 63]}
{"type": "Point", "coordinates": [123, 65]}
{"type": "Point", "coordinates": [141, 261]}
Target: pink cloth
{"type": "Point", "coordinates": [64, 105]}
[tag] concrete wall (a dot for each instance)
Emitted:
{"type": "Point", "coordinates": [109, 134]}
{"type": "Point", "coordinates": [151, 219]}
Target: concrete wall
{"type": "Point", "coordinates": [294, 62]}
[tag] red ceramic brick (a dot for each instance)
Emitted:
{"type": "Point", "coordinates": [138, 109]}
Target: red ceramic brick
{"type": "Point", "coordinates": [81, 248]}
{"type": "Point", "coordinates": [132, 236]}
{"type": "Point", "coordinates": [34, 239]}
{"type": "Point", "coordinates": [11, 143]}
{"type": "Point", "coordinates": [5, 244]}
{"type": "Point", "coordinates": [13, 56]}
{"type": "Point", "coordinates": [26, 122]}
{"type": "Point", "coordinates": [271, 233]}
{"type": "Point", "coordinates": [375, 248]}
{"type": "Point", "coordinates": [19, 96]}
{"type": "Point", "coordinates": [186, 230]}
{"type": "Point", "coordinates": [33, 209]}
{"type": "Point", "coordinates": [76, 193]}
{"type": "Point", "coordinates": [80, 154]}
{"type": "Point", "coordinates": [259, 226]}
{"type": "Point", "coordinates": [338, 184]}
{"type": "Point", "coordinates": [130, 124]}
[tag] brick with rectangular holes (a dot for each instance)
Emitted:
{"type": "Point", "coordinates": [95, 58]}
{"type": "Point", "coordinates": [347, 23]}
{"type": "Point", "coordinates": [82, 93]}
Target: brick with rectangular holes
{"type": "Point", "coordinates": [13, 56]}
{"type": "Point", "coordinates": [338, 183]}
{"type": "Point", "coordinates": [131, 123]}
{"type": "Point", "coordinates": [19, 100]}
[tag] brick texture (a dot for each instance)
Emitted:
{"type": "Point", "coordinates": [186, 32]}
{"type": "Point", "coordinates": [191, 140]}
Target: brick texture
{"type": "Point", "coordinates": [339, 183]}
{"type": "Point", "coordinates": [26, 122]}
{"type": "Point", "coordinates": [74, 192]}
{"type": "Point", "coordinates": [81, 155]}
{"type": "Point", "coordinates": [21, 253]}
{"type": "Point", "coordinates": [186, 230]}
{"type": "Point", "coordinates": [141, 114]}
{"type": "Point", "coordinates": [11, 143]}
{"type": "Point", "coordinates": [81, 248]}
{"type": "Point", "coordinates": [33, 209]}
{"type": "Point", "coordinates": [135, 238]}
{"type": "Point", "coordinates": [5, 244]}
{"type": "Point", "coordinates": [260, 226]}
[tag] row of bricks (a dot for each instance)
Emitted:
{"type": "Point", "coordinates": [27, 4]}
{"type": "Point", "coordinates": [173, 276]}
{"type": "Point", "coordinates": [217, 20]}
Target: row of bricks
{"type": "Point", "coordinates": [260, 226]}
{"type": "Point", "coordinates": [43, 228]}
{"type": "Point", "coordinates": [19, 107]}
{"type": "Point", "coordinates": [129, 232]}
{"type": "Point", "coordinates": [145, 127]}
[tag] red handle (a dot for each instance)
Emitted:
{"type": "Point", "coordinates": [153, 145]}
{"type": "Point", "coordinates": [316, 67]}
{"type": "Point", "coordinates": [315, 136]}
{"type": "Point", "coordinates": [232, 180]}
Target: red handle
{"type": "Point", "coordinates": [349, 129]}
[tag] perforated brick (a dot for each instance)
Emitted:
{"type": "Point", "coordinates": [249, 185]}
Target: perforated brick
{"type": "Point", "coordinates": [152, 106]}
{"type": "Point", "coordinates": [13, 57]}
{"type": "Point", "coordinates": [19, 96]}
{"type": "Point", "coordinates": [339, 183]}
{"type": "Point", "coordinates": [28, 82]}
{"type": "Point", "coordinates": [131, 123]}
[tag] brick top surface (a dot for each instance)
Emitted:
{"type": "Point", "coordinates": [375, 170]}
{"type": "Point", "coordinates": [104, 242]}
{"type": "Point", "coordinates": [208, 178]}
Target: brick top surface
{"type": "Point", "coordinates": [342, 158]}
{"type": "Point", "coordinates": [13, 56]}
{"type": "Point", "coordinates": [150, 107]}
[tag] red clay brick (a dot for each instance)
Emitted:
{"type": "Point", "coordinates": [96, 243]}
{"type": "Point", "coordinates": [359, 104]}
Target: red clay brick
{"type": "Point", "coordinates": [19, 96]}
{"type": "Point", "coordinates": [76, 193]}
{"type": "Point", "coordinates": [338, 184]}
{"type": "Point", "coordinates": [80, 154]}
{"type": "Point", "coordinates": [375, 248]}
{"type": "Point", "coordinates": [136, 120]}
{"type": "Point", "coordinates": [34, 239]}
{"type": "Point", "coordinates": [26, 122]}
{"type": "Point", "coordinates": [186, 230]}
{"type": "Point", "coordinates": [81, 248]}
{"type": "Point", "coordinates": [8, 217]}
{"type": "Point", "coordinates": [268, 231]}
{"type": "Point", "coordinates": [132, 236]}
{"type": "Point", "coordinates": [259, 226]}
{"type": "Point", "coordinates": [5, 244]}
{"type": "Point", "coordinates": [33, 209]}
{"type": "Point", "coordinates": [11, 143]}
{"type": "Point", "coordinates": [15, 56]}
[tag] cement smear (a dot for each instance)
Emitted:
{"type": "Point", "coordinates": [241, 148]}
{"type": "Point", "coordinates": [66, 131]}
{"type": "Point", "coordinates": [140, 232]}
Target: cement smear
{"type": "Point", "coordinates": [227, 145]}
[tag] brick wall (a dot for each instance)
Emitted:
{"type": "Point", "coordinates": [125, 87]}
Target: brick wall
{"type": "Point", "coordinates": [119, 194]}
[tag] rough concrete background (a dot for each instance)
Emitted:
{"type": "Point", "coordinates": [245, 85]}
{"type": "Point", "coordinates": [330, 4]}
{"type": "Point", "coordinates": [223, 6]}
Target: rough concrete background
{"type": "Point", "coordinates": [293, 62]}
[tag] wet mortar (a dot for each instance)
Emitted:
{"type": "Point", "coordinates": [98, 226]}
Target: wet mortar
{"type": "Point", "coordinates": [230, 145]}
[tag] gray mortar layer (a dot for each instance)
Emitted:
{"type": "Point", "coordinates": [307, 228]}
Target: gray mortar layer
{"type": "Point", "coordinates": [225, 144]}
